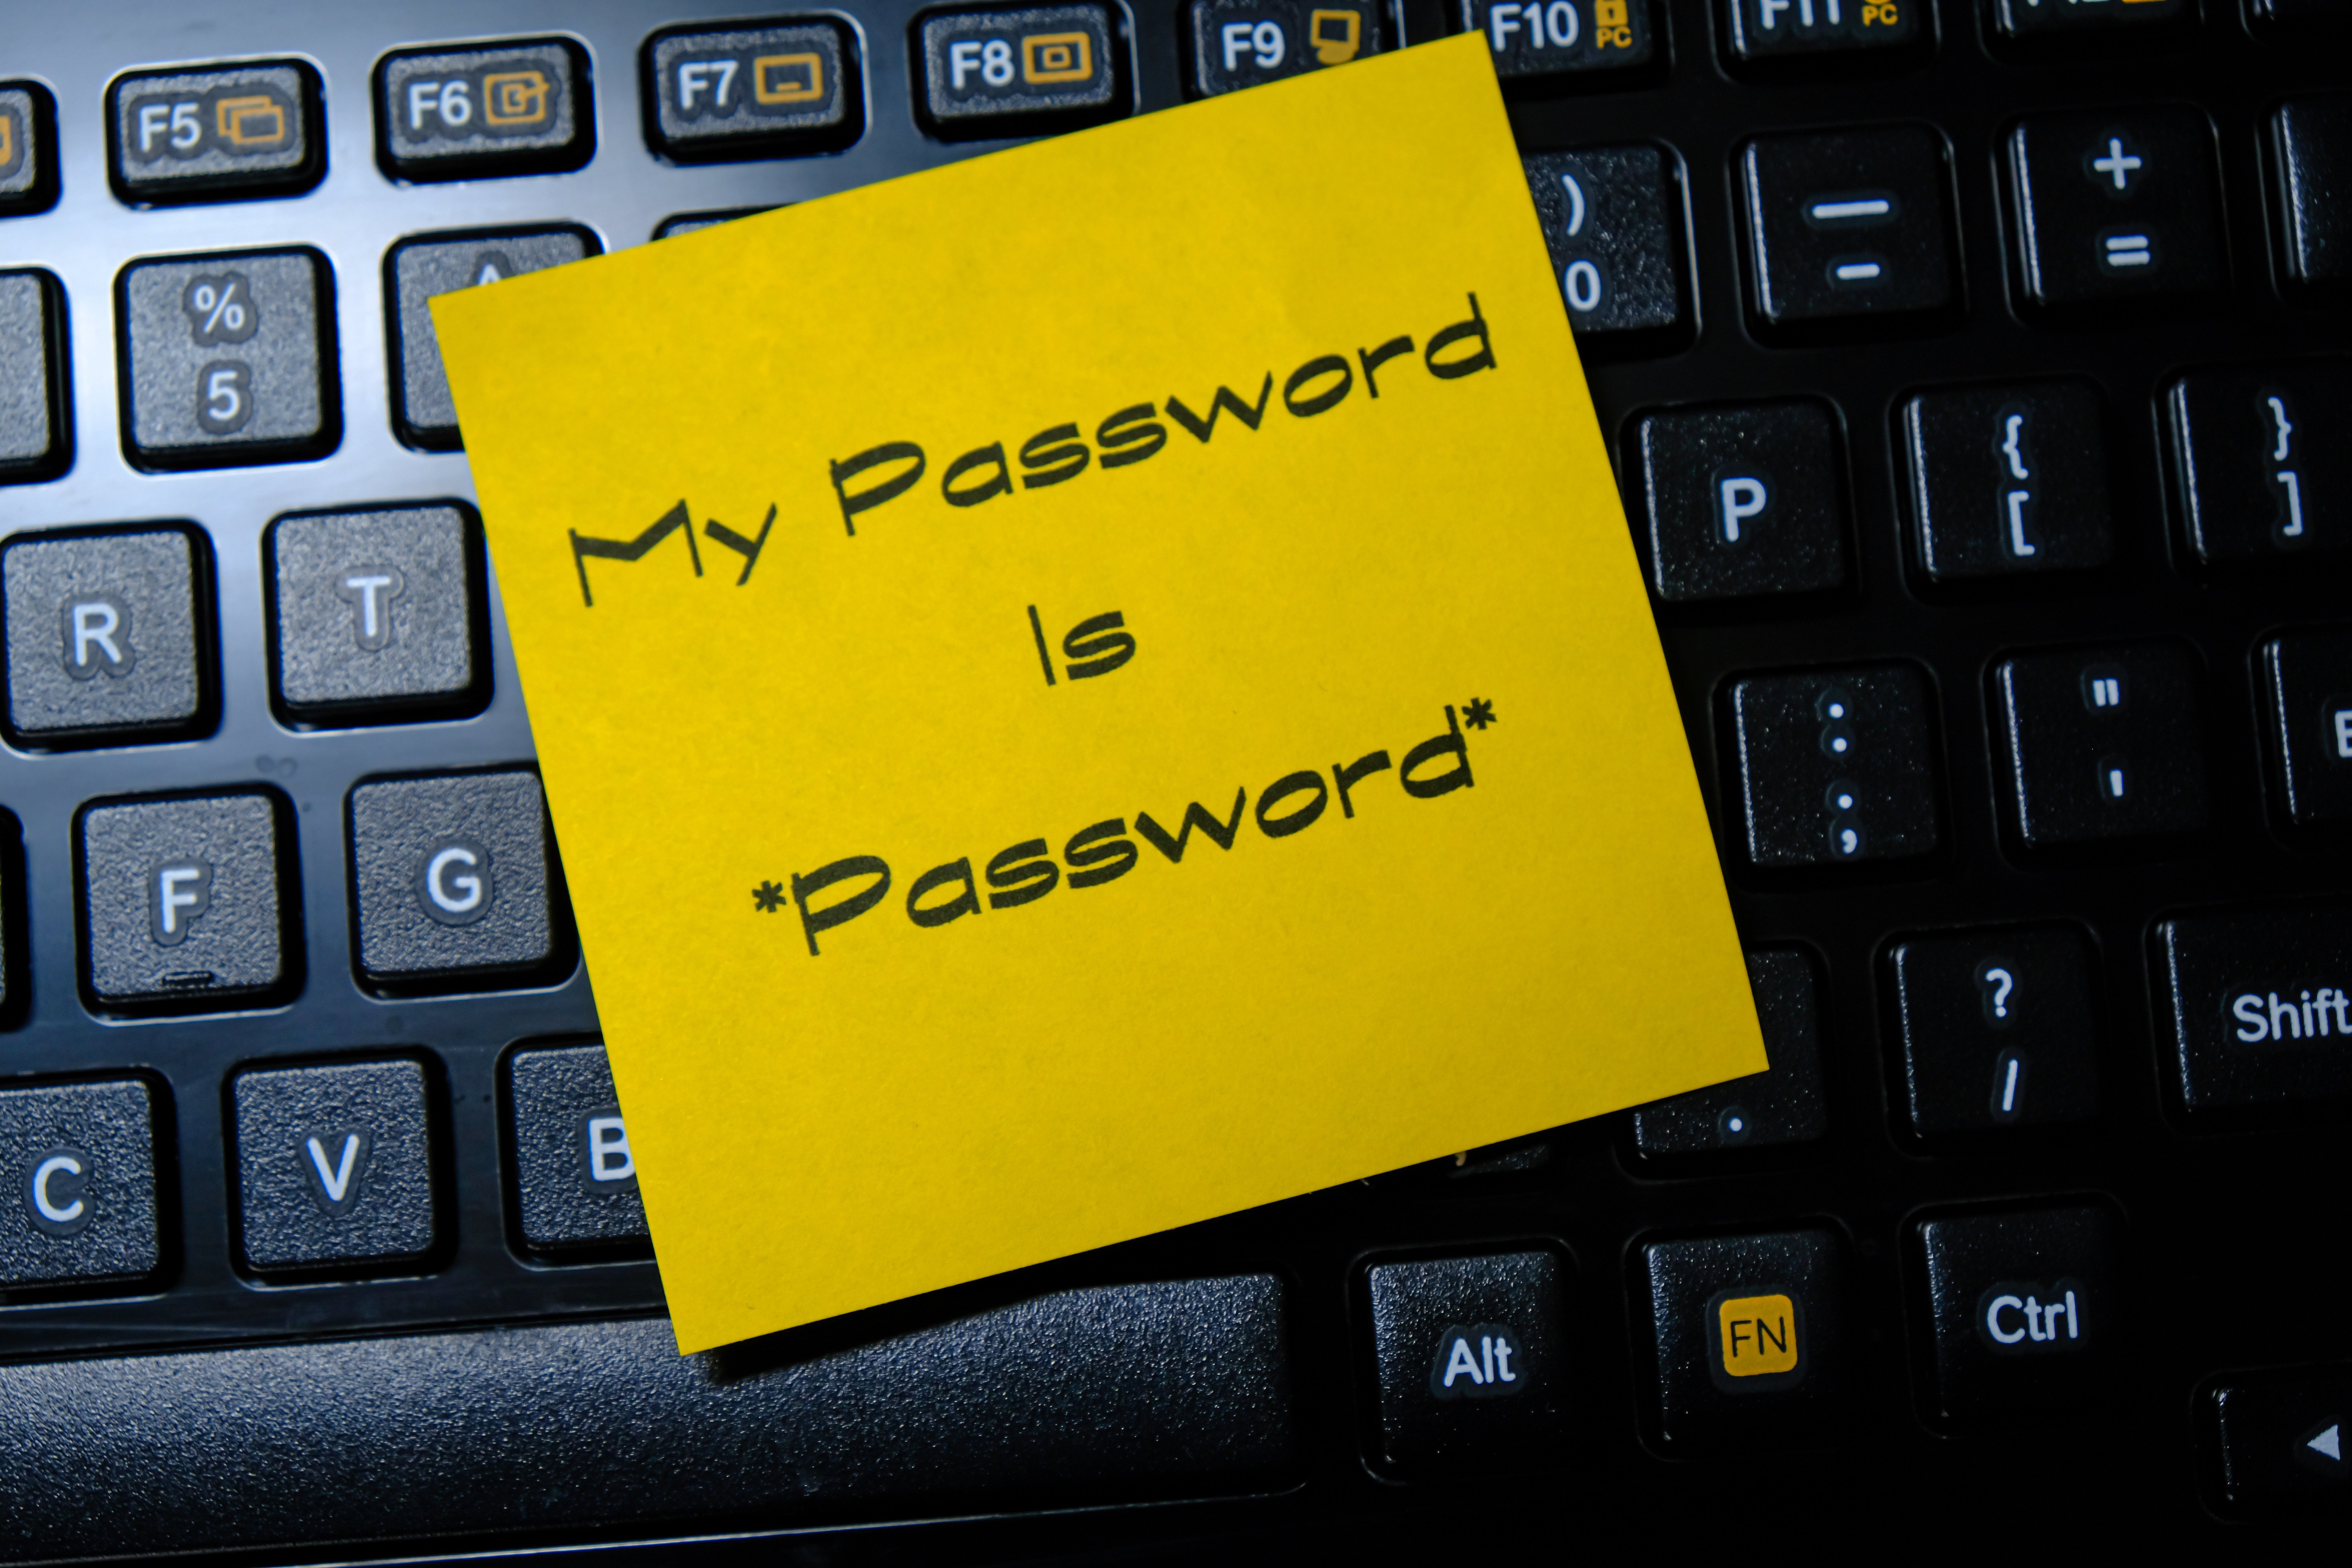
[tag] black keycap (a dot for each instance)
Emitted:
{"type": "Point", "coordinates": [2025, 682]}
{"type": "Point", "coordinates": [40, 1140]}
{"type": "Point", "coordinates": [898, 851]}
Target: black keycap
{"type": "Point", "coordinates": [109, 637]}
{"type": "Point", "coordinates": [1612, 217]}
{"type": "Point", "coordinates": [2101, 743]}
{"type": "Point", "coordinates": [83, 1158]}
{"type": "Point", "coordinates": [2115, 207]}
{"type": "Point", "coordinates": [2307, 684]}
{"type": "Point", "coordinates": [334, 1165]}
{"type": "Point", "coordinates": [2257, 1007]}
{"type": "Point", "coordinates": [2261, 472]}
{"type": "Point", "coordinates": [2008, 479]}
{"type": "Point", "coordinates": [227, 358]}
{"type": "Point", "coordinates": [1835, 765]}
{"type": "Point", "coordinates": [377, 615]}
{"type": "Point", "coordinates": [2299, 21]}
{"type": "Point", "coordinates": [790, 86]}
{"type": "Point", "coordinates": [460, 112]}
{"type": "Point", "coordinates": [2311, 148]}
{"type": "Point", "coordinates": [28, 147]}
{"type": "Point", "coordinates": [183, 903]}
{"type": "Point", "coordinates": [2281, 1437]}
{"type": "Point", "coordinates": [1996, 1029]}
{"type": "Point", "coordinates": [1848, 225]}
{"type": "Point", "coordinates": [1241, 43]}
{"type": "Point", "coordinates": [1012, 73]}
{"type": "Point", "coordinates": [1766, 32]}
{"type": "Point", "coordinates": [450, 883]}
{"type": "Point", "coordinates": [1565, 41]}
{"type": "Point", "coordinates": [576, 1181]}
{"type": "Point", "coordinates": [1744, 499]}
{"type": "Point", "coordinates": [35, 416]}
{"type": "Point", "coordinates": [605, 1424]}
{"type": "Point", "coordinates": [1471, 1355]}
{"type": "Point", "coordinates": [2025, 1313]}
{"type": "Point", "coordinates": [1748, 1338]}
{"type": "Point", "coordinates": [422, 266]}
{"type": "Point", "coordinates": [211, 133]}
{"type": "Point", "coordinates": [1785, 1105]}
{"type": "Point", "coordinates": [2068, 25]}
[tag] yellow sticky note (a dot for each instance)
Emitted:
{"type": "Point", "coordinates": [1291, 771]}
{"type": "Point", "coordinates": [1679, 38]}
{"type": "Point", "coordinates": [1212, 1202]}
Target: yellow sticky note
{"type": "Point", "coordinates": [1092, 689]}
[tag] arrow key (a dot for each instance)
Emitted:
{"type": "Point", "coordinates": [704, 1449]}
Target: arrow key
{"type": "Point", "coordinates": [2276, 1439]}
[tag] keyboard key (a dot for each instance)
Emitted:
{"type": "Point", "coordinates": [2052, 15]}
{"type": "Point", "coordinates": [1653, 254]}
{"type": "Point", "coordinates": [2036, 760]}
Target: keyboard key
{"type": "Point", "coordinates": [450, 880]}
{"type": "Point", "coordinates": [377, 615]}
{"type": "Point", "coordinates": [1743, 501]}
{"type": "Point", "coordinates": [576, 1181]}
{"type": "Point", "coordinates": [83, 1158]}
{"type": "Point", "coordinates": [1115, 1391]}
{"type": "Point", "coordinates": [36, 418]}
{"type": "Point", "coordinates": [28, 147]}
{"type": "Point", "coordinates": [1835, 765]}
{"type": "Point", "coordinates": [519, 108]}
{"type": "Point", "coordinates": [2258, 463]}
{"type": "Point", "coordinates": [2282, 1439]}
{"type": "Point", "coordinates": [229, 358]}
{"type": "Point", "coordinates": [2101, 743]}
{"type": "Point", "coordinates": [109, 637]}
{"type": "Point", "coordinates": [1750, 1338]}
{"type": "Point", "coordinates": [418, 268]}
{"type": "Point", "coordinates": [1845, 225]}
{"type": "Point", "coordinates": [1788, 1104]}
{"type": "Point", "coordinates": [1564, 41]}
{"type": "Point", "coordinates": [2030, 25]}
{"type": "Point", "coordinates": [1998, 1029]}
{"type": "Point", "coordinates": [2008, 479]}
{"type": "Point", "coordinates": [1019, 72]}
{"type": "Point", "coordinates": [333, 1165]}
{"type": "Point", "coordinates": [694, 223]}
{"type": "Point", "coordinates": [791, 86]}
{"type": "Point", "coordinates": [2116, 207]}
{"type": "Point", "coordinates": [212, 133]}
{"type": "Point", "coordinates": [1472, 1358]}
{"type": "Point", "coordinates": [181, 902]}
{"type": "Point", "coordinates": [2025, 1311]}
{"type": "Point", "coordinates": [2307, 685]}
{"type": "Point", "coordinates": [2311, 143]}
{"type": "Point", "coordinates": [2259, 1013]}
{"type": "Point", "coordinates": [1241, 43]}
{"type": "Point", "coordinates": [1765, 32]}
{"type": "Point", "coordinates": [1612, 217]}
{"type": "Point", "coordinates": [2299, 21]}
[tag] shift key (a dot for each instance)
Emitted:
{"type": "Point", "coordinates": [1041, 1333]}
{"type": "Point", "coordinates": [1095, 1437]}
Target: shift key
{"type": "Point", "coordinates": [2261, 1014]}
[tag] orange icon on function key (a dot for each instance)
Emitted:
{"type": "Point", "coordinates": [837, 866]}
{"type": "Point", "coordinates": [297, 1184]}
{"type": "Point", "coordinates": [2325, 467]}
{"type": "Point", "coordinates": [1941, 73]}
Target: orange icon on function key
{"type": "Point", "coordinates": [1336, 34]}
{"type": "Point", "coordinates": [788, 78]}
{"type": "Point", "coordinates": [1057, 57]}
{"type": "Point", "coordinates": [7, 138]}
{"type": "Point", "coordinates": [250, 124]}
{"type": "Point", "coordinates": [516, 98]}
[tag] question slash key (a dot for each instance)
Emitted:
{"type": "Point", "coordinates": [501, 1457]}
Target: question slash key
{"type": "Point", "coordinates": [1998, 1030]}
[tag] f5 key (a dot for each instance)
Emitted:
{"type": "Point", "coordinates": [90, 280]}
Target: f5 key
{"type": "Point", "coordinates": [210, 133]}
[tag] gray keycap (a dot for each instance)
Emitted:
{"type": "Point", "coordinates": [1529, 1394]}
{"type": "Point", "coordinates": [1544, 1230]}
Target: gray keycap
{"type": "Point", "coordinates": [226, 359]}
{"type": "Point", "coordinates": [28, 182]}
{"type": "Point", "coordinates": [375, 613]}
{"type": "Point", "coordinates": [82, 1158]}
{"type": "Point", "coordinates": [430, 264]}
{"type": "Point", "coordinates": [986, 69]}
{"type": "Point", "coordinates": [500, 109]}
{"type": "Point", "coordinates": [33, 418]}
{"type": "Point", "coordinates": [104, 637]}
{"type": "Point", "coordinates": [743, 92]}
{"type": "Point", "coordinates": [695, 223]}
{"type": "Point", "coordinates": [180, 905]}
{"type": "Point", "coordinates": [451, 877]}
{"type": "Point", "coordinates": [576, 1183]}
{"type": "Point", "coordinates": [219, 133]}
{"type": "Point", "coordinates": [333, 1164]}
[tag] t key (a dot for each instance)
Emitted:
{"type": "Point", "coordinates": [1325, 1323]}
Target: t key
{"type": "Point", "coordinates": [2261, 461]}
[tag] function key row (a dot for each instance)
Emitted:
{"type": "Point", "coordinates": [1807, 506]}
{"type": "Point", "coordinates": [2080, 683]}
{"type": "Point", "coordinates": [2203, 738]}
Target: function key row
{"type": "Point", "coordinates": [1854, 230]}
{"type": "Point", "coordinates": [377, 615]}
{"type": "Point", "coordinates": [335, 1168]}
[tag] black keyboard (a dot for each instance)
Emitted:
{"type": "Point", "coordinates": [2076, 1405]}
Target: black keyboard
{"type": "Point", "coordinates": [1979, 378]}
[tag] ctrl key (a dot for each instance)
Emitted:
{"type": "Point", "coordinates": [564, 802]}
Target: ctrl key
{"type": "Point", "coordinates": [1471, 1358]}
{"type": "Point", "coordinates": [2025, 1310]}
{"type": "Point", "coordinates": [82, 1158]}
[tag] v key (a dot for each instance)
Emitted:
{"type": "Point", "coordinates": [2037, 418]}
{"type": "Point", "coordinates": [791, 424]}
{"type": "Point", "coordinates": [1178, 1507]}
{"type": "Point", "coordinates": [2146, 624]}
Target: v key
{"type": "Point", "coordinates": [333, 1159]}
